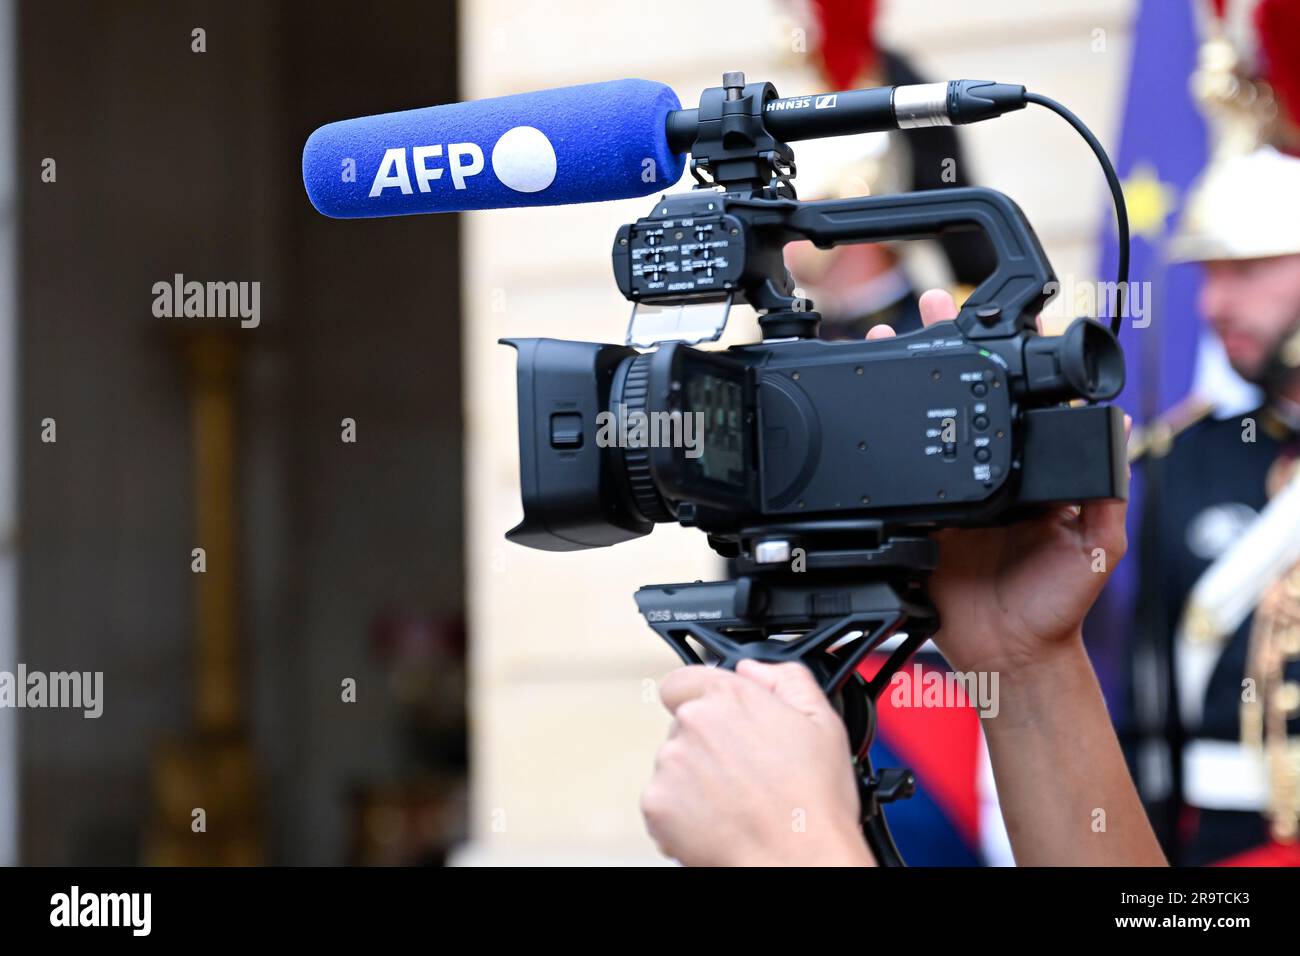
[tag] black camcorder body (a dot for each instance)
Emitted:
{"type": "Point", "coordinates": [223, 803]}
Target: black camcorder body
{"type": "Point", "coordinates": [966, 422]}
{"type": "Point", "coordinates": [922, 429]}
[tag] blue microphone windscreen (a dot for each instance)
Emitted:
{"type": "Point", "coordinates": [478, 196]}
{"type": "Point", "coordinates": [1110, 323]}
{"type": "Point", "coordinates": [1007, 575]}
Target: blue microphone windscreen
{"type": "Point", "coordinates": [578, 144]}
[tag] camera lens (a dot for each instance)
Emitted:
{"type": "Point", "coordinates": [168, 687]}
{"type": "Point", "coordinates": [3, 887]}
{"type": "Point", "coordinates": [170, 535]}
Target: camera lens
{"type": "Point", "coordinates": [630, 454]}
{"type": "Point", "coordinates": [572, 473]}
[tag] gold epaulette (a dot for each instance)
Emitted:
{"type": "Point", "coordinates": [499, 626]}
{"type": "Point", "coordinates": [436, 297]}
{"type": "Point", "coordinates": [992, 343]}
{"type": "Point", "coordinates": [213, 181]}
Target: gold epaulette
{"type": "Point", "coordinates": [1158, 437]}
{"type": "Point", "coordinates": [1276, 426]}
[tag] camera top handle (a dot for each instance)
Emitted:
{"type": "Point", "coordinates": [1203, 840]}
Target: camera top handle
{"type": "Point", "coordinates": [738, 256]}
{"type": "Point", "coordinates": [749, 210]}
{"type": "Point", "coordinates": [737, 139]}
{"type": "Point", "coordinates": [1007, 301]}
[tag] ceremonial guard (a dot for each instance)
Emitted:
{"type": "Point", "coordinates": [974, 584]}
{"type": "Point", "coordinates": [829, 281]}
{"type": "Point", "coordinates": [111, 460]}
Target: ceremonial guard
{"type": "Point", "coordinates": [1216, 662]}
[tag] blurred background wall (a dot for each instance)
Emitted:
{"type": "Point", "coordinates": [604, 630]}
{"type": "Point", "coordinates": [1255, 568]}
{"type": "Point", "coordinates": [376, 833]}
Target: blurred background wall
{"type": "Point", "coordinates": [565, 715]}
{"type": "Point", "coordinates": [342, 559]}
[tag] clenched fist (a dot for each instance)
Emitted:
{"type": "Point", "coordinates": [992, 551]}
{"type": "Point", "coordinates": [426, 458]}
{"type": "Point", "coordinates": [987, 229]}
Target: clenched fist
{"type": "Point", "coordinates": [755, 772]}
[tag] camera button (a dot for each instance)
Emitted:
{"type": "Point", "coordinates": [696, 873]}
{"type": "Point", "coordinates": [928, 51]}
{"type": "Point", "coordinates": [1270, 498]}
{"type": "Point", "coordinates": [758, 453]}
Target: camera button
{"type": "Point", "coordinates": [566, 430]}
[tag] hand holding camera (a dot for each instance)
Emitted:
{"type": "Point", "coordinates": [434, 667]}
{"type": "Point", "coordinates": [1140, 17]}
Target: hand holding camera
{"type": "Point", "coordinates": [1015, 596]}
{"type": "Point", "coordinates": [1019, 590]}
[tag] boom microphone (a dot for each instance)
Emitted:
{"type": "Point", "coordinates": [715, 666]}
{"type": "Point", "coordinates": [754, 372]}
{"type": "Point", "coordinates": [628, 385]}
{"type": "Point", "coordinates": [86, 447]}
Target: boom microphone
{"type": "Point", "coordinates": [876, 109]}
{"type": "Point", "coordinates": [587, 143]}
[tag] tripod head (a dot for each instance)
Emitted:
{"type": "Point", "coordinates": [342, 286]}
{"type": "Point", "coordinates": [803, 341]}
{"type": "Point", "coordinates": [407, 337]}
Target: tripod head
{"type": "Point", "coordinates": [825, 595]}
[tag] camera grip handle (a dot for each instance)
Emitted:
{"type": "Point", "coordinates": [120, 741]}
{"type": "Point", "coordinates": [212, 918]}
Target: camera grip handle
{"type": "Point", "coordinates": [1006, 302]}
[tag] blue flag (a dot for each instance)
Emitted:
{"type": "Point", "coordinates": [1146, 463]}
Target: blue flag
{"type": "Point", "coordinates": [1162, 150]}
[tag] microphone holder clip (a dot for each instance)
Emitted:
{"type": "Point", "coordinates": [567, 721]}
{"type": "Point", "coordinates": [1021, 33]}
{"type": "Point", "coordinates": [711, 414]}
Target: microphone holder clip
{"type": "Point", "coordinates": [733, 146]}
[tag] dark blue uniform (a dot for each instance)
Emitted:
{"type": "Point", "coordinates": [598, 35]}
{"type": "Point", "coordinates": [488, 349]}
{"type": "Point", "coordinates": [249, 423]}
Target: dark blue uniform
{"type": "Point", "coordinates": [1203, 490]}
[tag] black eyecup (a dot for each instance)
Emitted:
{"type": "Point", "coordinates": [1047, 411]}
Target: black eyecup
{"type": "Point", "coordinates": [1086, 362]}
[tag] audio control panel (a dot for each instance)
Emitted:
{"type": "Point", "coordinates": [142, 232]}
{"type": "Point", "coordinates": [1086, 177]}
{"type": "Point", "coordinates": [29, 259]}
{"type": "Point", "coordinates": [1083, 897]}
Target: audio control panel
{"type": "Point", "coordinates": [693, 257]}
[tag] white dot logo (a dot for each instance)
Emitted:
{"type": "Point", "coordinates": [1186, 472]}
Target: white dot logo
{"type": "Point", "coordinates": [524, 159]}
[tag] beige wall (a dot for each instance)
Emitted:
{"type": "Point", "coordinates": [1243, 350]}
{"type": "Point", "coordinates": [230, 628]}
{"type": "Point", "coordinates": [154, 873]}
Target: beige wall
{"type": "Point", "coordinates": [564, 715]}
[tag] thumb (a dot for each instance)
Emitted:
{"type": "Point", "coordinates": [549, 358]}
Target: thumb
{"type": "Point", "coordinates": [792, 683]}
{"type": "Point", "coordinates": [936, 305]}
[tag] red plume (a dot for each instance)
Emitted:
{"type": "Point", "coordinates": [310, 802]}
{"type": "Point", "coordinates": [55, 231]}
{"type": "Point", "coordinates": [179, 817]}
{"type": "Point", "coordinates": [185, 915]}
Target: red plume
{"type": "Point", "coordinates": [847, 46]}
{"type": "Point", "coordinates": [1277, 24]}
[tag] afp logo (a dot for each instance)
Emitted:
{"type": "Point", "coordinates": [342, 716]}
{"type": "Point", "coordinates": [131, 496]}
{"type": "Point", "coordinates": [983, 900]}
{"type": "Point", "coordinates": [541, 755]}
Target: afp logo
{"type": "Point", "coordinates": [523, 159]}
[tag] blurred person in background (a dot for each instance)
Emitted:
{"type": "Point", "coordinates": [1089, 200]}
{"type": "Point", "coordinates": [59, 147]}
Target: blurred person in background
{"type": "Point", "coordinates": [859, 286]}
{"type": "Point", "coordinates": [1215, 675]}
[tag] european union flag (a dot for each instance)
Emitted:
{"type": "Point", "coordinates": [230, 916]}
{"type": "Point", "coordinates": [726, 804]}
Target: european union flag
{"type": "Point", "coordinates": [1162, 150]}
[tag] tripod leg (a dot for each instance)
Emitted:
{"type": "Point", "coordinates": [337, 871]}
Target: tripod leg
{"type": "Point", "coordinates": [875, 828]}
{"type": "Point", "coordinates": [875, 790]}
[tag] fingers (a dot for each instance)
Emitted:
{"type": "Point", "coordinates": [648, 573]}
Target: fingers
{"type": "Point", "coordinates": [937, 306]}
{"type": "Point", "coordinates": [1101, 523]}
{"type": "Point", "coordinates": [689, 683]}
{"type": "Point", "coordinates": [792, 683]}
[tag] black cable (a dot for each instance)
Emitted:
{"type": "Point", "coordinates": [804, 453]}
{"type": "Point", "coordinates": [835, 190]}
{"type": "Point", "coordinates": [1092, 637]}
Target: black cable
{"type": "Point", "coordinates": [1116, 192]}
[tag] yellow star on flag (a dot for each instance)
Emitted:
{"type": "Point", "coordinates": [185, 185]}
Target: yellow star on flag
{"type": "Point", "coordinates": [1149, 201]}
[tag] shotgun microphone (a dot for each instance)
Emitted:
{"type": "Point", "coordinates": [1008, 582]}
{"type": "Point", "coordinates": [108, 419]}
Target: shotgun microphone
{"type": "Point", "coordinates": [599, 141]}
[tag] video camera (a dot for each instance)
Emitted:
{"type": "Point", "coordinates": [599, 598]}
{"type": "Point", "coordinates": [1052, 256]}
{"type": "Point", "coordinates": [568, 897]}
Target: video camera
{"type": "Point", "coordinates": [965, 422]}
{"type": "Point", "coordinates": [820, 467]}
